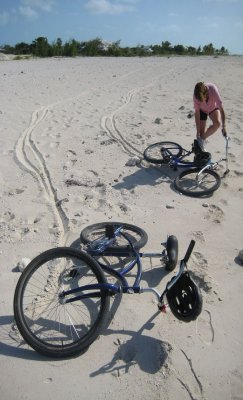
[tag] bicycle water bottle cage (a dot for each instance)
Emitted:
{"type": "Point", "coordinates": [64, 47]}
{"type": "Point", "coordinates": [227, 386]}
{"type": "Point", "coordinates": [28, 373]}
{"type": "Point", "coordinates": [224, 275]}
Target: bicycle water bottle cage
{"type": "Point", "coordinates": [202, 159]}
{"type": "Point", "coordinates": [184, 299]}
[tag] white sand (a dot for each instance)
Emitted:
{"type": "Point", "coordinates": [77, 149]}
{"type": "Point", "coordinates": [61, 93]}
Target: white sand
{"type": "Point", "coordinates": [83, 119]}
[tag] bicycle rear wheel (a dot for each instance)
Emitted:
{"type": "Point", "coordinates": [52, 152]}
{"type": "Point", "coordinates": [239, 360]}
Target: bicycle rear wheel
{"type": "Point", "coordinates": [161, 153]}
{"type": "Point", "coordinates": [48, 324]}
{"type": "Point", "coordinates": [195, 184]}
{"type": "Point", "coordinates": [137, 235]}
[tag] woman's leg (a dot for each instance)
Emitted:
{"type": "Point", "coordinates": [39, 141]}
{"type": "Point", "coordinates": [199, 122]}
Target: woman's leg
{"type": "Point", "coordinates": [200, 139]}
{"type": "Point", "coordinates": [215, 117]}
{"type": "Point", "coordinates": [202, 127]}
{"type": "Point", "coordinates": [201, 120]}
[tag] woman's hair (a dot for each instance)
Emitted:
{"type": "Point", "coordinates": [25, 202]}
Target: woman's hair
{"type": "Point", "coordinates": [200, 91]}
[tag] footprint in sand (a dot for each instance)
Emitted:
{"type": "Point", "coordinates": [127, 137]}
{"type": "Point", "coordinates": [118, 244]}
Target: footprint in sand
{"type": "Point", "coordinates": [123, 207]}
{"type": "Point", "coordinates": [12, 229]}
{"type": "Point", "coordinates": [199, 236]}
{"type": "Point", "coordinates": [215, 214]}
{"type": "Point", "coordinates": [238, 173]}
{"type": "Point", "coordinates": [224, 202]}
{"type": "Point", "coordinates": [225, 184]}
{"type": "Point", "coordinates": [237, 141]}
{"type": "Point", "coordinates": [201, 267]}
{"type": "Point", "coordinates": [232, 157]}
{"type": "Point", "coordinates": [95, 197]}
{"type": "Point", "coordinates": [55, 135]}
{"type": "Point", "coordinates": [204, 327]}
{"type": "Point", "coordinates": [54, 145]}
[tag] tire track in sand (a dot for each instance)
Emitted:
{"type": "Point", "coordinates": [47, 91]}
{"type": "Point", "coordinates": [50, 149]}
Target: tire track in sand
{"type": "Point", "coordinates": [108, 124]}
{"type": "Point", "coordinates": [30, 158]}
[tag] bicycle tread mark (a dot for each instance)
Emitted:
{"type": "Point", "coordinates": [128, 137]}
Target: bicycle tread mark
{"type": "Point", "coordinates": [108, 124]}
{"type": "Point", "coordinates": [31, 159]}
{"type": "Point", "coordinates": [193, 371]}
{"type": "Point", "coordinates": [187, 376]}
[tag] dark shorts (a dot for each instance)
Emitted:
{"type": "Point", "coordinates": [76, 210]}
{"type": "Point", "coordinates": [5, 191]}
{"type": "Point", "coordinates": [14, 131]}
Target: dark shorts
{"type": "Point", "coordinates": [204, 116]}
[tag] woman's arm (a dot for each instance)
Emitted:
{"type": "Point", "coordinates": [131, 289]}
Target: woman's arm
{"type": "Point", "coordinates": [223, 120]}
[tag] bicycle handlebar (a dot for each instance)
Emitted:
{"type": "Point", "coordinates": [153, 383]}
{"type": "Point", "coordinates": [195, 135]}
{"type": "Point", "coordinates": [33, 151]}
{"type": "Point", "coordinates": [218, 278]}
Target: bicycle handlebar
{"type": "Point", "coordinates": [99, 245]}
{"type": "Point", "coordinates": [225, 135]}
{"type": "Point", "coordinates": [189, 251]}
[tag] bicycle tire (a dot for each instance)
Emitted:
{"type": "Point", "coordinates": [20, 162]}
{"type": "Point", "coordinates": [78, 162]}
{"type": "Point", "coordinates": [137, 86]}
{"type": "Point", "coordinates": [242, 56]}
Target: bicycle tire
{"type": "Point", "coordinates": [187, 183]}
{"type": "Point", "coordinates": [172, 253]}
{"type": "Point", "coordinates": [137, 235]}
{"type": "Point", "coordinates": [153, 153]}
{"type": "Point", "coordinates": [49, 326]}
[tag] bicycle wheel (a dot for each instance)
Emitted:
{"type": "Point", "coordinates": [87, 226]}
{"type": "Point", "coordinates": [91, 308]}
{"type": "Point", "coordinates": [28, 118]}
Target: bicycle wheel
{"type": "Point", "coordinates": [191, 183]}
{"type": "Point", "coordinates": [172, 253]}
{"type": "Point", "coordinates": [137, 235]}
{"type": "Point", "coordinates": [48, 324]}
{"type": "Point", "coordinates": [155, 155]}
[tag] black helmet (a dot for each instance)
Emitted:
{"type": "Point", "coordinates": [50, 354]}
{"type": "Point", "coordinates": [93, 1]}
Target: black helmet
{"type": "Point", "coordinates": [185, 299]}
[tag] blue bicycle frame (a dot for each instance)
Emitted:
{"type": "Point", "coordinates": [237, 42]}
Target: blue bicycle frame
{"type": "Point", "coordinates": [177, 162]}
{"type": "Point", "coordinates": [100, 247]}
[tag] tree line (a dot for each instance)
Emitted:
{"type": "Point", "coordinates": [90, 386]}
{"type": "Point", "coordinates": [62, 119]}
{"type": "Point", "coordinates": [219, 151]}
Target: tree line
{"type": "Point", "coordinates": [97, 47]}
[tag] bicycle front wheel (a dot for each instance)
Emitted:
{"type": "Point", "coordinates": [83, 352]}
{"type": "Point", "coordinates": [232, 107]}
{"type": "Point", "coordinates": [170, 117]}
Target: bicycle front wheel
{"type": "Point", "coordinates": [194, 183]}
{"type": "Point", "coordinates": [137, 235]}
{"type": "Point", "coordinates": [172, 253]}
{"type": "Point", "coordinates": [162, 152]}
{"type": "Point", "coordinates": [49, 325]}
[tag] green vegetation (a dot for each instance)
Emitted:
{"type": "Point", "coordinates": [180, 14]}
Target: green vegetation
{"type": "Point", "coordinates": [97, 47]}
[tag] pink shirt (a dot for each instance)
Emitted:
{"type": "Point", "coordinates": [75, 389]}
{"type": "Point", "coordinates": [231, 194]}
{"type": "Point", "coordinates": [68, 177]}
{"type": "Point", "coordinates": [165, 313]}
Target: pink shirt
{"type": "Point", "coordinates": [213, 102]}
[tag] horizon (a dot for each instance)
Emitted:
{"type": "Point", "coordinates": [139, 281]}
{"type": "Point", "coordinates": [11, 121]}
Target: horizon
{"type": "Point", "coordinates": [132, 22]}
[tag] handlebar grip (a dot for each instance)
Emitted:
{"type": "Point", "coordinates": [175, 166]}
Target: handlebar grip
{"type": "Point", "coordinates": [189, 251]}
{"type": "Point", "coordinates": [224, 133]}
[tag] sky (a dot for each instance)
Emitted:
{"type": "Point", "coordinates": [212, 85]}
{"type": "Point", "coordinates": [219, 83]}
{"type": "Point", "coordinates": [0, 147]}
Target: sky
{"type": "Point", "coordinates": [132, 22]}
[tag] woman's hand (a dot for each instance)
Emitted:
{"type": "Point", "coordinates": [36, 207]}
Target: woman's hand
{"type": "Point", "coordinates": [224, 132]}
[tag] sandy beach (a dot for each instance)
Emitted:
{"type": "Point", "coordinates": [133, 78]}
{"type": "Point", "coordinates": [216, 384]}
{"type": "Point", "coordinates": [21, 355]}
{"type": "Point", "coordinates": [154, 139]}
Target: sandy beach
{"type": "Point", "coordinates": [69, 130]}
